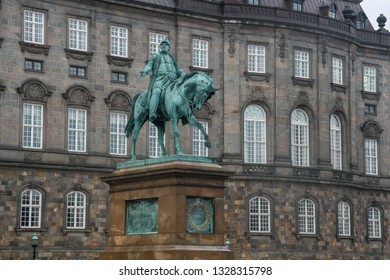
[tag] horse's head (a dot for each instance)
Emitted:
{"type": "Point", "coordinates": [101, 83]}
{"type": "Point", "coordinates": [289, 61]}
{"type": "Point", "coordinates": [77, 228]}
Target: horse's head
{"type": "Point", "coordinates": [202, 89]}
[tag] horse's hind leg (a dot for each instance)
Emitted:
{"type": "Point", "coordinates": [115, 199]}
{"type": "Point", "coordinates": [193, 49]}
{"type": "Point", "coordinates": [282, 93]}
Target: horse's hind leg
{"type": "Point", "coordinates": [178, 149]}
{"type": "Point", "coordinates": [137, 128]}
{"type": "Point", "coordinates": [161, 133]}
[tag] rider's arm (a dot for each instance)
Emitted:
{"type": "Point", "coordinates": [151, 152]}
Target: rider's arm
{"type": "Point", "coordinates": [149, 66]}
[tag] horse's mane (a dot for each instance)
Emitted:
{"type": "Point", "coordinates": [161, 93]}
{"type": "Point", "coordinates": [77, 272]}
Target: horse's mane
{"type": "Point", "coordinates": [185, 78]}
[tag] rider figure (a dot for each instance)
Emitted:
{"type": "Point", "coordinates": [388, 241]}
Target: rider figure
{"type": "Point", "coordinates": [165, 70]}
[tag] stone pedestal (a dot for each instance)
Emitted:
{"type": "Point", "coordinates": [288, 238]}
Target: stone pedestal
{"type": "Point", "coordinates": [171, 183]}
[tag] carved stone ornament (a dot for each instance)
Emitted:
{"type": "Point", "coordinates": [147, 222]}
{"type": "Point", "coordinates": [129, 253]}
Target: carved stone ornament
{"type": "Point", "coordinates": [302, 99]}
{"type": "Point", "coordinates": [142, 216]}
{"type": "Point", "coordinates": [324, 51]}
{"type": "Point", "coordinates": [303, 82]}
{"type": "Point", "coordinates": [34, 90]}
{"type": "Point", "coordinates": [338, 104]}
{"type": "Point", "coordinates": [232, 43]}
{"type": "Point", "coordinates": [119, 100]}
{"type": "Point", "coordinates": [34, 48]}
{"type": "Point", "coordinates": [119, 61]}
{"type": "Point", "coordinates": [33, 156]}
{"type": "Point", "coordinates": [371, 129]}
{"type": "Point", "coordinates": [353, 59]}
{"type": "Point", "coordinates": [78, 95]}
{"type": "Point", "coordinates": [306, 172]}
{"type": "Point", "coordinates": [371, 95]}
{"type": "Point", "coordinates": [259, 170]}
{"type": "Point", "coordinates": [257, 93]}
{"type": "Point", "coordinates": [282, 46]}
{"type": "Point", "coordinates": [79, 55]}
{"type": "Point", "coordinates": [200, 215]}
{"type": "Point", "coordinates": [338, 88]}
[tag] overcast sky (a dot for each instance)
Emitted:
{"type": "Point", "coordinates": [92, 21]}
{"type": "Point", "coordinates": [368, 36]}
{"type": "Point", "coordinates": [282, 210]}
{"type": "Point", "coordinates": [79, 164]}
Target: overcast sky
{"type": "Point", "coordinates": [373, 8]}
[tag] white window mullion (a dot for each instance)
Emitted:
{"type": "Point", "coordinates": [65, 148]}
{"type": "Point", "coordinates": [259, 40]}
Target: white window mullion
{"type": "Point", "coordinates": [154, 147]}
{"type": "Point", "coordinates": [200, 53]}
{"type": "Point", "coordinates": [78, 34]}
{"type": "Point", "coordinates": [119, 41]}
{"type": "Point", "coordinates": [34, 27]}
{"type": "Point", "coordinates": [118, 139]}
{"type": "Point", "coordinates": [198, 141]}
{"type": "Point", "coordinates": [32, 126]}
{"type": "Point", "coordinates": [154, 41]}
{"type": "Point", "coordinates": [77, 129]}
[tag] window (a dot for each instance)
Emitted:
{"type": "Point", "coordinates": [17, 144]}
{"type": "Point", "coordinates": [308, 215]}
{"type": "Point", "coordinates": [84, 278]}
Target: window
{"type": "Point", "coordinates": [30, 209]}
{"type": "Point", "coordinates": [332, 11]}
{"type": "Point", "coordinates": [34, 27]}
{"type": "Point", "coordinates": [154, 147]}
{"type": "Point", "coordinates": [254, 135]}
{"type": "Point", "coordinates": [155, 40]}
{"type": "Point", "coordinates": [337, 70]}
{"type": "Point", "coordinates": [306, 216]}
{"type": "Point", "coordinates": [76, 210]}
{"type": "Point", "coordinates": [301, 64]}
{"type": "Point", "coordinates": [374, 222]}
{"type": "Point", "coordinates": [118, 140]}
{"type": "Point", "coordinates": [78, 34]}
{"type": "Point", "coordinates": [119, 41]}
{"type": "Point", "coordinates": [299, 138]}
{"type": "Point", "coordinates": [344, 218]}
{"type": "Point", "coordinates": [198, 141]}
{"type": "Point", "coordinates": [77, 130]}
{"type": "Point", "coordinates": [369, 108]}
{"type": "Point", "coordinates": [256, 59]}
{"type": "Point", "coordinates": [297, 5]}
{"type": "Point", "coordinates": [360, 21]}
{"type": "Point", "coordinates": [118, 77]}
{"type": "Point", "coordinates": [335, 142]}
{"type": "Point", "coordinates": [32, 126]}
{"type": "Point", "coordinates": [77, 71]}
{"type": "Point", "coordinates": [369, 78]}
{"type": "Point", "coordinates": [371, 152]}
{"type": "Point", "coordinates": [259, 215]}
{"type": "Point", "coordinates": [253, 2]}
{"type": "Point", "coordinates": [33, 65]}
{"type": "Point", "coordinates": [200, 49]}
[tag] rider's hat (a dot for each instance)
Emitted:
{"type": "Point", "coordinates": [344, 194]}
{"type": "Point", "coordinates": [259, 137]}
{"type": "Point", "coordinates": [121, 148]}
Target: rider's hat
{"type": "Point", "coordinates": [165, 41]}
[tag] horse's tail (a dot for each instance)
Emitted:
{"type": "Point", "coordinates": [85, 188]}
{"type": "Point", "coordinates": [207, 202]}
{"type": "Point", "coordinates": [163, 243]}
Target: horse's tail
{"type": "Point", "coordinates": [131, 122]}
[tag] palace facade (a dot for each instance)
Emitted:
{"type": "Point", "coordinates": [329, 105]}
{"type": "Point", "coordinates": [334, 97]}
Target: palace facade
{"type": "Point", "coordinates": [300, 119]}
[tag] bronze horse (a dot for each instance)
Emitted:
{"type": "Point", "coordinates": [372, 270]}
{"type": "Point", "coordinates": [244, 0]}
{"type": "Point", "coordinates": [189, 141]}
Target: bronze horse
{"type": "Point", "coordinates": [177, 102]}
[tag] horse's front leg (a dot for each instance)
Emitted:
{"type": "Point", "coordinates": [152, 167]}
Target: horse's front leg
{"type": "Point", "coordinates": [194, 122]}
{"type": "Point", "coordinates": [161, 133]}
{"type": "Point", "coordinates": [178, 149]}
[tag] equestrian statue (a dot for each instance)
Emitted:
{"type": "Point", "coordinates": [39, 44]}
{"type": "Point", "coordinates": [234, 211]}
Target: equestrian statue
{"type": "Point", "coordinates": [172, 95]}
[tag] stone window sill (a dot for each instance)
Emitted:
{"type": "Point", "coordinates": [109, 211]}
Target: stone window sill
{"type": "Point", "coordinates": [34, 48]}
{"type": "Point", "coordinates": [305, 82]}
{"type": "Point", "coordinates": [258, 77]}
{"type": "Point", "coordinates": [79, 55]}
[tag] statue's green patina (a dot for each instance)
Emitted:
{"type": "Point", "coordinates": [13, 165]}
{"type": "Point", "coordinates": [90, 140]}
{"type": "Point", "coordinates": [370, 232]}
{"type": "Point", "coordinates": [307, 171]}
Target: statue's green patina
{"type": "Point", "coordinates": [171, 96]}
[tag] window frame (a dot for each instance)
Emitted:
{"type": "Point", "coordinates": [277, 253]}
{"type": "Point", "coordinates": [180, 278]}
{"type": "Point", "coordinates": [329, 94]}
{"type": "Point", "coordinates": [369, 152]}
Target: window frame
{"type": "Point", "coordinates": [336, 132]}
{"type": "Point", "coordinates": [78, 68]}
{"type": "Point", "coordinates": [119, 74]}
{"type": "Point", "coordinates": [370, 81]}
{"type": "Point", "coordinates": [371, 160]}
{"type": "Point", "coordinates": [297, 5]}
{"type": "Point", "coordinates": [154, 44]}
{"type": "Point", "coordinates": [261, 124]}
{"type": "Point", "coordinates": [29, 206]}
{"type": "Point", "coordinates": [122, 41]}
{"type": "Point", "coordinates": [368, 107]}
{"type": "Point", "coordinates": [34, 62]}
{"type": "Point", "coordinates": [302, 67]}
{"type": "Point", "coordinates": [78, 34]}
{"type": "Point", "coordinates": [379, 223]}
{"type": "Point", "coordinates": [269, 215]}
{"type": "Point", "coordinates": [305, 217]}
{"type": "Point", "coordinates": [298, 128]}
{"type": "Point", "coordinates": [343, 221]}
{"type": "Point", "coordinates": [120, 135]}
{"type": "Point", "coordinates": [33, 126]}
{"type": "Point", "coordinates": [337, 71]}
{"type": "Point", "coordinates": [35, 11]}
{"type": "Point", "coordinates": [198, 141]}
{"type": "Point", "coordinates": [259, 60]}
{"type": "Point", "coordinates": [154, 147]}
{"type": "Point", "coordinates": [77, 130]}
{"type": "Point", "coordinates": [200, 55]}
{"type": "Point", "coordinates": [253, 2]}
{"type": "Point", "coordinates": [76, 207]}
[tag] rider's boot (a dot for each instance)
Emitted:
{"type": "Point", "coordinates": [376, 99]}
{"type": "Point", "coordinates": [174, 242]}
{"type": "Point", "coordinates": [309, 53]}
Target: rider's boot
{"type": "Point", "coordinates": [154, 100]}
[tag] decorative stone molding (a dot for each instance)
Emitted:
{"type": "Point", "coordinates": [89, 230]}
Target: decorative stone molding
{"type": "Point", "coordinates": [259, 170]}
{"type": "Point", "coordinates": [119, 100]}
{"type": "Point", "coordinates": [232, 42]}
{"type": "Point", "coordinates": [258, 77]}
{"type": "Point", "coordinates": [79, 55]}
{"type": "Point", "coordinates": [343, 176]}
{"type": "Point", "coordinates": [371, 129]}
{"type": "Point", "coordinates": [34, 48]}
{"type": "Point", "coordinates": [119, 61]}
{"type": "Point", "coordinates": [283, 44]}
{"type": "Point", "coordinates": [338, 104]}
{"type": "Point", "coordinates": [371, 95]}
{"type": "Point", "coordinates": [257, 93]}
{"type": "Point", "coordinates": [33, 156]}
{"type": "Point", "coordinates": [302, 99]}
{"type": "Point", "coordinates": [34, 90]}
{"type": "Point", "coordinates": [303, 82]}
{"type": "Point", "coordinates": [338, 88]}
{"type": "Point", "coordinates": [306, 172]}
{"type": "Point", "coordinates": [78, 95]}
{"type": "Point", "coordinates": [324, 51]}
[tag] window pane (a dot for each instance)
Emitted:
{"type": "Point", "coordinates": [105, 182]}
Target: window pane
{"type": "Point", "coordinates": [118, 140]}
{"type": "Point", "coordinates": [254, 135]}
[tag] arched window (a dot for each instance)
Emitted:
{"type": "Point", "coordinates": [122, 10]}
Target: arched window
{"type": "Point", "coordinates": [306, 216]}
{"type": "Point", "coordinates": [260, 214]}
{"type": "Point", "coordinates": [299, 138]}
{"type": "Point", "coordinates": [335, 142]}
{"type": "Point", "coordinates": [344, 218]}
{"type": "Point", "coordinates": [254, 134]}
{"type": "Point", "coordinates": [76, 210]}
{"type": "Point", "coordinates": [31, 209]}
{"type": "Point", "coordinates": [374, 222]}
